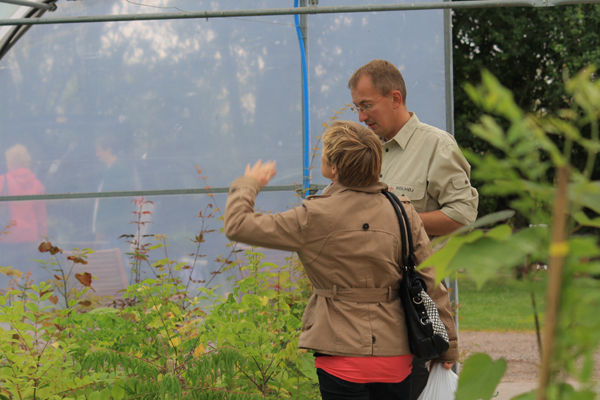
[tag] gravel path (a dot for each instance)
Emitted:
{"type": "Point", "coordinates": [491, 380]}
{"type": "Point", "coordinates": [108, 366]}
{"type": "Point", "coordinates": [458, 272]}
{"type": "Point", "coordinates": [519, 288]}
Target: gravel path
{"type": "Point", "coordinates": [520, 350]}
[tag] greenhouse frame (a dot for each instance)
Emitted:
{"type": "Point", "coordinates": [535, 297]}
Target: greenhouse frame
{"type": "Point", "coordinates": [185, 94]}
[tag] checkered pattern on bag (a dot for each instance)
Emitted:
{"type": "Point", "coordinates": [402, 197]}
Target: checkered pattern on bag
{"type": "Point", "coordinates": [432, 312]}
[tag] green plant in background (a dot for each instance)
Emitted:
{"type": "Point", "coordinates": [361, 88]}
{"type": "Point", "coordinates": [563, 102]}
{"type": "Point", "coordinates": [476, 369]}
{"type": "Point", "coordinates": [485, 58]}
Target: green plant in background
{"type": "Point", "coordinates": [35, 357]}
{"type": "Point", "coordinates": [137, 241]}
{"type": "Point", "coordinates": [166, 345]}
{"type": "Point", "coordinates": [558, 200]}
{"type": "Point", "coordinates": [66, 285]}
{"type": "Point", "coordinates": [262, 319]}
{"type": "Point", "coordinates": [228, 262]}
{"type": "Point", "coordinates": [541, 44]}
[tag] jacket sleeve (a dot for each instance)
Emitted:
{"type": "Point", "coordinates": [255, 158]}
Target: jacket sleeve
{"type": "Point", "coordinates": [281, 231]}
{"type": "Point", "coordinates": [438, 293]}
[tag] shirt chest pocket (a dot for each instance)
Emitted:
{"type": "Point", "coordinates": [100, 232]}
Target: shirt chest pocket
{"type": "Point", "coordinates": [416, 193]}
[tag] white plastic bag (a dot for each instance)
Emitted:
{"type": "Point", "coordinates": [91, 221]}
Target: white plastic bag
{"type": "Point", "coordinates": [441, 385]}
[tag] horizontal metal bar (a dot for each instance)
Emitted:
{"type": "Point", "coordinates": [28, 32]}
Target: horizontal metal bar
{"type": "Point", "coordinates": [286, 11]}
{"type": "Point", "coordinates": [569, 2]}
{"type": "Point", "coordinates": [50, 7]}
{"type": "Point", "coordinates": [146, 193]}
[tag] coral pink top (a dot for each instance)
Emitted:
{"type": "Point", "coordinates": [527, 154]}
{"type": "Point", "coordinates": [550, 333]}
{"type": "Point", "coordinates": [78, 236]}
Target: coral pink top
{"type": "Point", "coordinates": [367, 369]}
{"type": "Point", "coordinates": [29, 216]}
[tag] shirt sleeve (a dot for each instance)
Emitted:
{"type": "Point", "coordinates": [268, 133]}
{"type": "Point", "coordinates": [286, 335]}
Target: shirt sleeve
{"type": "Point", "coordinates": [281, 231]}
{"type": "Point", "coordinates": [449, 182]}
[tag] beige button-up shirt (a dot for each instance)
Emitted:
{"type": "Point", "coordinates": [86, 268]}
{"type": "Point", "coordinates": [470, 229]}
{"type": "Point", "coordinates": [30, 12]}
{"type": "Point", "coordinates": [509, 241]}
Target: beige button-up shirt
{"type": "Point", "coordinates": [425, 164]}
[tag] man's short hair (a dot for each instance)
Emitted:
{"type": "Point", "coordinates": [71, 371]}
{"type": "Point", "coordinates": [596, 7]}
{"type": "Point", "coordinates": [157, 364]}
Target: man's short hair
{"type": "Point", "coordinates": [356, 152]}
{"type": "Point", "coordinates": [384, 75]}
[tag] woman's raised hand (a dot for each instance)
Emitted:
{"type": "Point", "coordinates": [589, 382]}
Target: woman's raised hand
{"type": "Point", "coordinates": [261, 172]}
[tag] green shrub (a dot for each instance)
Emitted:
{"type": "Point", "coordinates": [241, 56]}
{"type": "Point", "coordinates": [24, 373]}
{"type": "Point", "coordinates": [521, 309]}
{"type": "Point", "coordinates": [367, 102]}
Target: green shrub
{"type": "Point", "coordinates": [560, 202]}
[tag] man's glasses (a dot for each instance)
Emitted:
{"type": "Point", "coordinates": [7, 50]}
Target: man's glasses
{"type": "Point", "coordinates": [367, 107]}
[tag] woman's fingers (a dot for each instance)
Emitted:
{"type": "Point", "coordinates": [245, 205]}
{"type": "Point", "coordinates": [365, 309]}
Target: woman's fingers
{"type": "Point", "coordinates": [261, 172]}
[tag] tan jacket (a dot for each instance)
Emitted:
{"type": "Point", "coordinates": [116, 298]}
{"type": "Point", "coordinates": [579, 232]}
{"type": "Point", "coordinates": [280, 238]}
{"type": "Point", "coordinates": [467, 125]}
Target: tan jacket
{"type": "Point", "coordinates": [349, 243]}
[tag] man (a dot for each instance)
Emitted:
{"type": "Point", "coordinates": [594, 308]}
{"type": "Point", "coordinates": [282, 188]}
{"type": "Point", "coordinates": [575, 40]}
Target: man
{"type": "Point", "coordinates": [419, 161]}
{"type": "Point", "coordinates": [111, 217]}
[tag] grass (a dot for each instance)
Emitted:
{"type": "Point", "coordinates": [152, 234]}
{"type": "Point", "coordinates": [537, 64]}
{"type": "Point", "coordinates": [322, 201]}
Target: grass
{"type": "Point", "coordinates": [503, 304]}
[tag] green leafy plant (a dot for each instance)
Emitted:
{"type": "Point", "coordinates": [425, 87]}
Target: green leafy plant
{"type": "Point", "coordinates": [262, 318]}
{"type": "Point", "coordinates": [168, 345]}
{"type": "Point", "coordinates": [36, 358]}
{"type": "Point", "coordinates": [67, 285]}
{"type": "Point", "coordinates": [560, 202]}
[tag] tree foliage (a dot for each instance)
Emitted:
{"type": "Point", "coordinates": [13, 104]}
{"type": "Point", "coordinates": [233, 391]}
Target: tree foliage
{"type": "Point", "coordinates": [530, 51]}
{"type": "Point", "coordinates": [533, 165]}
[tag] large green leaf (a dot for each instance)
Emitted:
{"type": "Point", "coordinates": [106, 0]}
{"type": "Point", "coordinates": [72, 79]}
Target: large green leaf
{"type": "Point", "coordinates": [117, 391]}
{"type": "Point", "coordinates": [583, 219]}
{"type": "Point", "coordinates": [482, 259]}
{"type": "Point", "coordinates": [442, 258]}
{"type": "Point", "coordinates": [586, 194]}
{"type": "Point", "coordinates": [479, 377]}
{"type": "Point", "coordinates": [483, 221]}
{"type": "Point", "coordinates": [306, 363]}
{"type": "Point", "coordinates": [564, 391]}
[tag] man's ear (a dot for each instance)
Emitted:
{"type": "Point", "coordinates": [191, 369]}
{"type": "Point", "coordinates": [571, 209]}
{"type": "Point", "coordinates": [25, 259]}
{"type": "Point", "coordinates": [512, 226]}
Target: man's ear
{"type": "Point", "coordinates": [397, 98]}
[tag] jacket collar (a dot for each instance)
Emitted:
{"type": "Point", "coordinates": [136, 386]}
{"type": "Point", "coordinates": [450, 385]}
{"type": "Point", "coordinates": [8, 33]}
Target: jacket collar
{"type": "Point", "coordinates": [406, 132]}
{"type": "Point", "coordinates": [336, 188]}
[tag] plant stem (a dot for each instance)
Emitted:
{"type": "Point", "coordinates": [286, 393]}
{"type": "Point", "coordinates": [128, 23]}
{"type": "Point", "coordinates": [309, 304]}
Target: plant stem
{"type": "Point", "coordinates": [537, 324]}
{"type": "Point", "coordinates": [558, 251]}
{"type": "Point", "coordinates": [589, 167]}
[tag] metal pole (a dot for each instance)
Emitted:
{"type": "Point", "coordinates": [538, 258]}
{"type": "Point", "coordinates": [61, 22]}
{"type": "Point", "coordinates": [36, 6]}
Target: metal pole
{"type": "Point", "coordinates": [44, 6]}
{"type": "Point", "coordinates": [140, 193]}
{"type": "Point", "coordinates": [292, 11]}
{"type": "Point", "coordinates": [452, 279]}
{"type": "Point", "coordinates": [300, 21]}
{"type": "Point", "coordinates": [305, 103]}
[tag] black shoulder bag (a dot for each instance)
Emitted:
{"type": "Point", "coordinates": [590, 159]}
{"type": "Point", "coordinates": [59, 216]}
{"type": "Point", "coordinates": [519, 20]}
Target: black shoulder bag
{"type": "Point", "coordinates": [427, 336]}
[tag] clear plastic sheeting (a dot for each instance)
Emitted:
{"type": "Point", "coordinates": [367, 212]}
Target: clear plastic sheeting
{"type": "Point", "coordinates": [163, 96]}
{"type": "Point", "coordinates": [7, 10]}
{"type": "Point", "coordinates": [180, 104]}
{"type": "Point", "coordinates": [177, 222]}
{"type": "Point", "coordinates": [339, 44]}
{"type": "Point", "coordinates": [10, 11]}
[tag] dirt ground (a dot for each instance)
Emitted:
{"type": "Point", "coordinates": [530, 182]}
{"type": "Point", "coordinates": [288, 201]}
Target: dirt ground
{"type": "Point", "coordinates": [520, 350]}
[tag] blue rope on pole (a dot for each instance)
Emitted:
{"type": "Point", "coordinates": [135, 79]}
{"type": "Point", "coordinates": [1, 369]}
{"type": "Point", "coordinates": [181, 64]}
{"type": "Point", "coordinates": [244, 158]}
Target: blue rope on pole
{"type": "Point", "coordinates": [306, 134]}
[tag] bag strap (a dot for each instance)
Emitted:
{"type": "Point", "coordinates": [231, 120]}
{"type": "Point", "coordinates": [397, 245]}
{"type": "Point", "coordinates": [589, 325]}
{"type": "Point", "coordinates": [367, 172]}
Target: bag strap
{"type": "Point", "coordinates": [408, 251]}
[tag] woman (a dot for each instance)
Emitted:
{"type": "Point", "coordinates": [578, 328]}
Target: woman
{"type": "Point", "coordinates": [348, 240]}
{"type": "Point", "coordinates": [29, 219]}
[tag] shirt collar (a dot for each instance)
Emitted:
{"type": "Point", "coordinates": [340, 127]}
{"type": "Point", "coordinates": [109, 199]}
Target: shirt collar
{"type": "Point", "coordinates": [406, 132]}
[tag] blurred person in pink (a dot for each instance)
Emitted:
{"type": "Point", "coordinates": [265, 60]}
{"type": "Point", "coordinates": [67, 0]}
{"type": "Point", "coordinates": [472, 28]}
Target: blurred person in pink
{"type": "Point", "coordinates": [29, 217]}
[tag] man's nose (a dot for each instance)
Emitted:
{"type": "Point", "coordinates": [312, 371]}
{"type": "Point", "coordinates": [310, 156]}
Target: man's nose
{"type": "Point", "coordinates": [362, 117]}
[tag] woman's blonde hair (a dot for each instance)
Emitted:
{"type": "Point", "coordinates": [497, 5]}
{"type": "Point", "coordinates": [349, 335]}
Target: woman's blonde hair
{"type": "Point", "coordinates": [356, 152]}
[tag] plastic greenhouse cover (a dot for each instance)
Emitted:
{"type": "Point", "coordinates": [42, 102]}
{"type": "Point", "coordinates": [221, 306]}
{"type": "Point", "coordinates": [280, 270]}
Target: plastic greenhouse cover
{"type": "Point", "coordinates": [169, 96]}
{"type": "Point", "coordinates": [10, 11]}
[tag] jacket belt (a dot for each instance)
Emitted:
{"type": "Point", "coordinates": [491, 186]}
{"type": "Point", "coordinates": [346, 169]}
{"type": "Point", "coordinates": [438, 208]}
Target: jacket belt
{"type": "Point", "coordinates": [359, 295]}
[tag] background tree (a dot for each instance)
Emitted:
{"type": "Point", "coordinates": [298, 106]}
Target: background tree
{"type": "Point", "coordinates": [528, 50]}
